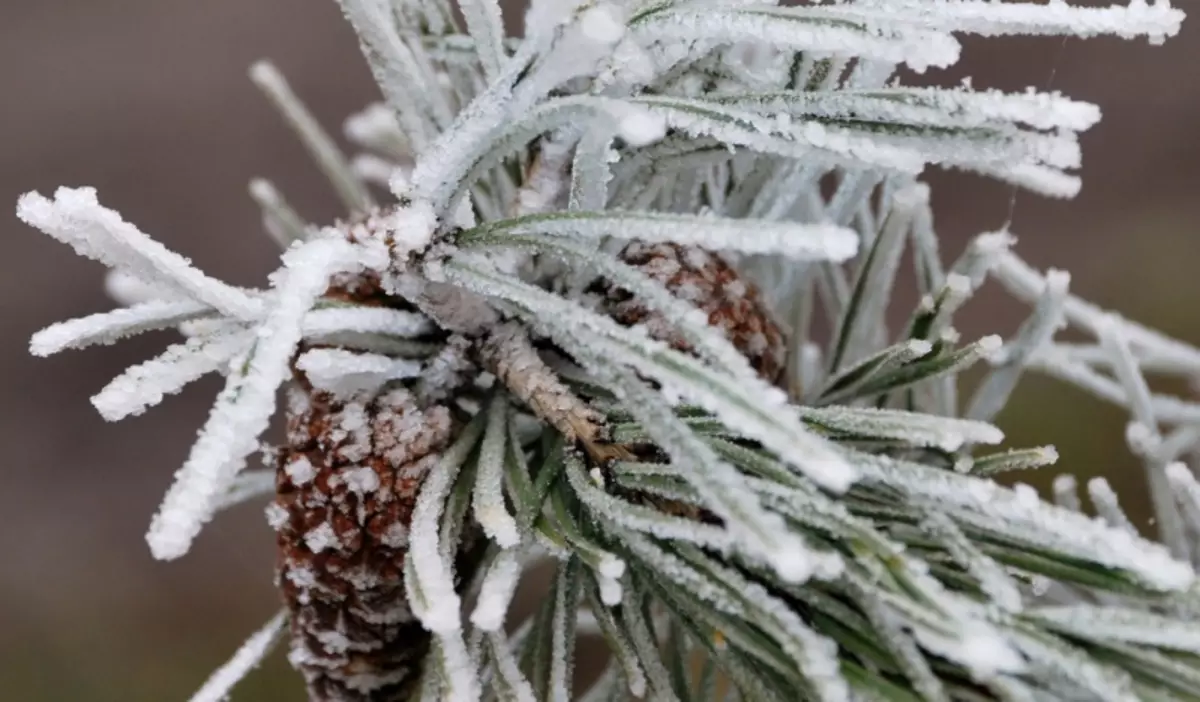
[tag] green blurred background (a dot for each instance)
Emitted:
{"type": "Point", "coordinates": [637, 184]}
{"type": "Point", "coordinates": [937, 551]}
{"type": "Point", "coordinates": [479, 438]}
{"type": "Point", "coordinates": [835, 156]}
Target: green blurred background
{"type": "Point", "coordinates": [148, 101]}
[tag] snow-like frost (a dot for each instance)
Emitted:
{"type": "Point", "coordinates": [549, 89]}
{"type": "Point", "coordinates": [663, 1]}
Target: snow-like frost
{"type": "Point", "coordinates": [489, 508]}
{"type": "Point", "coordinates": [244, 408]}
{"type": "Point", "coordinates": [345, 373]}
{"type": "Point", "coordinates": [146, 384]}
{"type": "Point", "coordinates": [77, 219]}
{"type": "Point", "coordinates": [110, 327]}
{"type": "Point", "coordinates": [497, 590]}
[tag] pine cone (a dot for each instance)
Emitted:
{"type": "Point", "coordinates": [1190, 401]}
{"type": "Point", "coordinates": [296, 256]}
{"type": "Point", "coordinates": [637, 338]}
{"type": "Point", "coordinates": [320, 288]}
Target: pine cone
{"type": "Point", "coordinates": [346, 486]}
{"type": "Point", "coordinates": [707, 281]}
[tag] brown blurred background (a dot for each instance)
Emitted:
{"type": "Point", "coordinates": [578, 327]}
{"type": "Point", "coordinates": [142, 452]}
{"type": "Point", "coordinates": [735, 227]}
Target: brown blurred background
{"type": "Point", "coordinates": [148, 101]}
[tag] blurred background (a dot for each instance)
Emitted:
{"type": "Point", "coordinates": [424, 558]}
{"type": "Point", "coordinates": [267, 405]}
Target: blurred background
{"type": "Point", "coordinates": [149, 102]}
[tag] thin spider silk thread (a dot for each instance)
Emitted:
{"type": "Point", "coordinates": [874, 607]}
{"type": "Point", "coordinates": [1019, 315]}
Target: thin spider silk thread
{"type": "Point", "coordinates": [1015, 189]}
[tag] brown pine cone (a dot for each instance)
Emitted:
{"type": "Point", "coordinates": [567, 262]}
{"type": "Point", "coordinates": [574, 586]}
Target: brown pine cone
{"type": "Point", "coordinates": [346, 486]}
{"type": "Point", "coordinates": [707, 281]}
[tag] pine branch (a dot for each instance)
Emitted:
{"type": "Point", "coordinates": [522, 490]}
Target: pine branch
{"type": "Point", "coordinates": [649, 191]}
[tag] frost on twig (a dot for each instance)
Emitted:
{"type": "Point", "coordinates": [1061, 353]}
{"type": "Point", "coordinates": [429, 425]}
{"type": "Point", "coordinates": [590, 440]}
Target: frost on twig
{"type": "Point", "coordinates": [508, 353]}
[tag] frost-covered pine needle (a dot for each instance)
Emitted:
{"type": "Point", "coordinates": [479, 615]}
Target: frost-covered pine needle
{"type": "Point", "coordinates": [280, 221]}
{"type": "Point", "coordinates": [111, 327]}
{"type": "Point", "coordinates": [146, 384]}
{"type": "Point", "coordinates": [245, 406]}
{"type": "Point", "coordinates": [489, 508]}
{"type": "Point", "coordinates": [439, 611]}
{"type": "Point", "coordinates": [318, 142]}
{"type": "Point", "coordinates": [251, 653]}
{"type": "Point", "coordinates": [76, 218]}
{"type": "Point", "coordinates": [497, 590]}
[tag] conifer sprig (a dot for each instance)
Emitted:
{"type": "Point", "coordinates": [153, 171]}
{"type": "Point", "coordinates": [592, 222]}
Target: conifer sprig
{"type": "Point", "coordinates": [831, 534]}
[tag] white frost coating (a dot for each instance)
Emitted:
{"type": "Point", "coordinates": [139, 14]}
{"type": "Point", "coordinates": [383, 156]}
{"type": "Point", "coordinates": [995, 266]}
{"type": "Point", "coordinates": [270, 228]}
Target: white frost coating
{"type": "Point", "coordinates": [374, 170]}
{"type": "Point", "coordinates": [801, 242]}
{"type": "Point", "coordinates": [644, 644]}
{"type": "Point", "coordinates": [562, 635]}
{"type": "Point", "coordinates": [361, 480]}
{"type": "Point", "coordinates": [1066, 492]}
{"type": "Point", "coordinates": [644, 519]}
{"type": "Point", "coordinates": [723, 488]}
{"type": "Point", "coordinates": [77, 219]}
{"type": "Point", "coordinates": [801, 28]}
{"type": "Point", "coordinates": [993, 579]}
{"type": "Point", "coordinates": [488, 501]}
{"type": "Point", "coordinates": [460, 681]}
{"type": "Point", "coordinates": [127, 289]}
{"type": "Point", "coordinates": [815, 654]}
{"type": "Point", "coordinates": [439, 610]}
{"type": "Point", "coordinates": [601, 24]}
{"type": "Point", "coordinates": [110, 327]}
{"type": "Point", "coordinates": [486, 27]}
{"type": "Point", "coordinates": [396, 536]}
{"type": "Point", "coordinates": [437, 179]}
{"type": "Point", "coordinates": [252, 652]}
{"type": "Point", "coordinates": [688, 321]}
{"type": "Point", "coordinates": [146, 384]}
{"type": "Point", "coordinates": [876, 276]}
{"type": "Point", "coordinates": [1035, 333]}
{"type": "Point", "coordinates": [320, 538]}
{"type": "Point", "coordinates": [244, 408]}
{"type": "Point", "coordinates": [983, 502]}
{"type": "Point", "coordinates": [601, 340]}
{"type": "Point", "coordinates": [320, 145]}
{"type": "Point", "coordinates": [1114, 340]}
{"type": "Point", "coordinates": [1027, 284]}
{"type": "Point", "coordinates": [917, 428]}
{"type": "Point", "coordinates": [934, 107]}
{"type": "Point", "coordinates": [1156, 21]}
{"type": "Point", "coordinates": [280, 221]}
{"type": "Point", "coordinates": [986, 653]}
{"type": "Point", "coordinates": [410, 229]}
{"type": "Point", "coordinates": [507, 670]}
{"type": "Point", "coordinates": [611, 566]}
{"type": "Point", "coordinates": [366, 320]}
{"type": "Point", "coordinates": [300, 470]}
{"type": "Point", "coordinates": [611, 591]}
{"type": "Point", "coordinates": [1186, 491]}
{"type": "Point", "coordinates": [1108, 506]}
{"type": "Point", "coordinates": [618, 642]}
{"type": "Point", "coordinates": [1119, 624]}
{"type": "Point", "coordinates": [640, 127]}
{"type": "Point", "coordinates": [1167, 409]}
{"type": "Point", "coordinates": [345, 373]}
{"type": "Point", "coordinates": [375, 128]}
{"type": "Point", "coordinates": [496, 592]}
{"type": "Point", "coordinates": [276, 515]}
{"type": "Point", "coordinates": [812, 141]}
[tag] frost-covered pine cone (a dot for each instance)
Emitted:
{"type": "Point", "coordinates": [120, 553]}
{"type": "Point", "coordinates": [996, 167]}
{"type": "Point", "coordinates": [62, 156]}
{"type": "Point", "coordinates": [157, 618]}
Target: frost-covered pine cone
{"type": "Point", "coordinates": [704, 279]}
{"type": "Point", "coordinates": [346, 484]}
